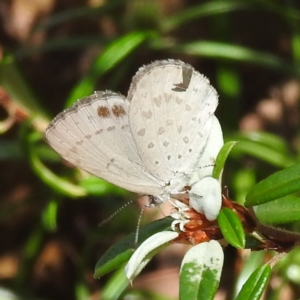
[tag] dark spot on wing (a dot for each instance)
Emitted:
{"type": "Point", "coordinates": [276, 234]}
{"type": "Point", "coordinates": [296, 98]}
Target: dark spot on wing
{"type": "Point", "coordinates": [187, 73]}
{"type": "Point", "coordinates": [103, 112]}
{"type": "Point", "coordinates": [118, 111]}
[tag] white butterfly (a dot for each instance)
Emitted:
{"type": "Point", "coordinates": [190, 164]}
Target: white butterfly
{"type": "Point", "coordinates": [151, 142]}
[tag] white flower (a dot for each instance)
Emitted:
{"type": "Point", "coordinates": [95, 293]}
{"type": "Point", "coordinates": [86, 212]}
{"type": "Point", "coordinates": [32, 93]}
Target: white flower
{"type": "Point", "coordinates": [206, 197]}
{"type": "Point", "coordinates": [180, 215]}
{"type": "Point", "coordinates": [189, 226]}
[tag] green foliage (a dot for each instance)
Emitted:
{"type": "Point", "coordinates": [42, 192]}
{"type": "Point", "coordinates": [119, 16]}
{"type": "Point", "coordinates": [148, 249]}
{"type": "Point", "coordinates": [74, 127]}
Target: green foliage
{"type": "Point", "coordinates": [232, 228]}
{"type": "Point", "coordinates": [120, 252]}
{"type": "Point", "coordinates": [200, 271]}
{"type": "Point", "coordinates": [221, 159]}
{"type": "Point", "coordinates": [47, 202]}
{"type": "Point", "coordinates": [255, 285]}
{"type": "Point", "coordinates": [277, 185]}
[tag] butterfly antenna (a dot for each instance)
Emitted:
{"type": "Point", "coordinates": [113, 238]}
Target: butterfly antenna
{"type": "Point", "coordinates": [116, 212]}
{"type": "Point", "coordinates": [206, 166]}
{"type": "Point", "coordinates": [150, 204]}
{"type": "Point", "coordinates": [136, 239]}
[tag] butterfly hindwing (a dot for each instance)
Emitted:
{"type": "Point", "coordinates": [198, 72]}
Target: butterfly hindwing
{"type": "Point", "coordinates": [95, 136]}
{"type": "Point", "coordinates": [171, 115]}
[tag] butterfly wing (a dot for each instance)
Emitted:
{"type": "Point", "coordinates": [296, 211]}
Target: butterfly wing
{"type": "Point", "coordinates": [213, 146]}
{"type": "Point", "coordinates": [94, 135]}
{"type": "Point", "coordinates": [171, 116]}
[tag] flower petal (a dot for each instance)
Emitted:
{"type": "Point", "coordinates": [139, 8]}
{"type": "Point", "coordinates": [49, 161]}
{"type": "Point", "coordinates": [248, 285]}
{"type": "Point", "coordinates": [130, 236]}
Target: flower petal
{"type": "Point", "coordinates": [206, 197]}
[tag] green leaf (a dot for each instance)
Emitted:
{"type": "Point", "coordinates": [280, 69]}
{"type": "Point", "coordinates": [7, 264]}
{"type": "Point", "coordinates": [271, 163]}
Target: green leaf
{"type": "Point", "coordinates": [232, 228]}
{"type": "Point", "coordinates": [107, 60]}
{"type": "Point", "coordinates": [229, 82]}
{"type": "Point", "coordinates": [280, 211]}
{"type": "Point", "coordinates": [62, 186]}
{"type": "Point", "coordinates": [264, 153]}
{"type": "Point", "coordinates": [255, 285]}
{"type": "Point", "coordinates": [230, 52]}
{"type": "Point", "coordinates": [144, 253]}
{"type": "Point", "coordinates": [203, 10]}
{"type": "Point", "coordinates": [265, 139]}
{"type": "Point", "coordinates": [116, 260]}
{"type": "Point", "coordinates": [269, 150]}
{"type": "Point", "coordinates": [49, 216]}
{"type": "Point", "coordinates": [277, 185]}
{"type": "Point", "coordinates": [243, 180]}
{"type": "Point", "coordinates": [221, 159]}
{"type": "Point", "coordinates": [120, 253]}
{"type": "Point", "coordinates": [115, 286]}
{"type": "Point", "coordinates": [200, 271]}
{"type": "Point", "coordinates": [97, 187]}
{"type": "Point", "coordinates": [265, 146]}
{"type": "Point", "coordinates": [252, 242]}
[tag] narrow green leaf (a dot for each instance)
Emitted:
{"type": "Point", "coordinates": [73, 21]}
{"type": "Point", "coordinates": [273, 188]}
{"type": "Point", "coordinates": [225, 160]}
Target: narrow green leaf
{"type": "Point", "coordinates": [224, 51]}
{"type": "Point", "coordinates": [243, 180]}
{"type": "Point", "coordinates": [266, 153]}
{"type": "Point", "coordinates": [203, 10]}
{"type": "Point", "coordinates": [229, 83]}
{"type": "Point", "coordinates": [221, 159]}
{"type": "Point", "coordinates": [265, 146]}
{"type": "Point", "coordinates": [280, 211]}
{"type": "Point", "coordinates": [115, 262]}
{"type": "Point", "coordinates": [255, 259]}
{"type": "Point", "coordinates": [96, 186]}
{"type": "Point", "coordinates": [120, 253]}
{"type": "Point", "coordinates": [144, 253]}
{"type": "Point", "coordinates": [232, 228]}
{"type": "Point", "coordinates": [107, 60]}
{"type": "Point", "coordinates": [49, 216]}
{"type": "Point", "coordinates": [264, 138]}
{"type": "Point", "coordinates": [277, 185]}
{"type": "Point", "coordinates": [200, 271]}
{"type": "Point", "coordinates": [237, 53]}
{"type": "Point", "coordinates": [115, 285]}
{"type": "Point", "coordinates": [255, 285]}
{"type": "Point", "coordinates": [60, 185]}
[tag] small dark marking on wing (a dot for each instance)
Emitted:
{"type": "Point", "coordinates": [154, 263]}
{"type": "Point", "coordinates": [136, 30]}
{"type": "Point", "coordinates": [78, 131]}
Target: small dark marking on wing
{"type": "Point", "coordinates": [187, 72]}
{"type": "Point", "coordinates": [118, 111]}
{"type": "Point", "coordinates": [103, 112]}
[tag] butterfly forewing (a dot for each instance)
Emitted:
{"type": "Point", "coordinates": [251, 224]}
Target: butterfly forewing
{"type": "Point", "coordinates": [95, 136]}
{"type": "Point", "coordinates": [171, 117]}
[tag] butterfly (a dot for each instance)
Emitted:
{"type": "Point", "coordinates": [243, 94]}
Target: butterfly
{"type": "Point", "coordinates": [151, 142]}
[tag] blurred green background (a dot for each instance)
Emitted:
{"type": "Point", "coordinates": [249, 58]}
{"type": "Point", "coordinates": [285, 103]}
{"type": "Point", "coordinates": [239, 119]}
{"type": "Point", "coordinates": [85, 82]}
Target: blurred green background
{"type": "Point", "coordinates": [53, 52]}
